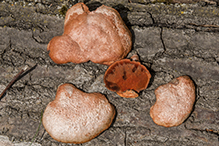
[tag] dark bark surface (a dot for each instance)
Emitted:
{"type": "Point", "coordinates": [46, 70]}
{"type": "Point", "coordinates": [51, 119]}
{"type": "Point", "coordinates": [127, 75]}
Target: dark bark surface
{"type": "Point", "coordinates": [172, 39]}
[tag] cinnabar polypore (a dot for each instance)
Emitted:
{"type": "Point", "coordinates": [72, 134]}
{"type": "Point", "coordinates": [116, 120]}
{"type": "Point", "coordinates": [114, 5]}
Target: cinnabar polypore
{"type": "Point", "coordinates": [127, 78]}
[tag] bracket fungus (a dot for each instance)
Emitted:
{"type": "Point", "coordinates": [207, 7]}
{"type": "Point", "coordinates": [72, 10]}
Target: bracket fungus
{"type": "Point", "coordinates": [127, 78]}
{"type": "Point", "coordinates": [174, 102]}
{"type": "Point", "coordinates": [100, 36]}
{"type": "Point", "coordinates": [77, 117]}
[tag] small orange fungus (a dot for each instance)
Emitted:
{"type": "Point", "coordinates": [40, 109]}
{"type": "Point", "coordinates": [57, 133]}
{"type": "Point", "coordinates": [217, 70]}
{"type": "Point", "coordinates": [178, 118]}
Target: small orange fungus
{"type": "Point", "coordinates": [127, 78]}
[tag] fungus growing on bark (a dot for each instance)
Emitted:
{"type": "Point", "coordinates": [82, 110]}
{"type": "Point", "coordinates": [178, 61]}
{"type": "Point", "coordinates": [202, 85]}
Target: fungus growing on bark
{"type": "Point", "coordinates": [127, 78]}
{"type": "Point", "coordinates": [77, 117]}
{"type": "Point", "coordinates": [174, 102]}
{"type": "Point", "coordinates": [100, 36]}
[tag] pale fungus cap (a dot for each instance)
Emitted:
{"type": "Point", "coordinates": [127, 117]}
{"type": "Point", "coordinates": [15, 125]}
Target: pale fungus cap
{"type": "Point", "coordinates": [77, 117]}
{"type": "Point", "coordinates": [100, 36]}
{"type": "Point", "coordinates": [174, 102]}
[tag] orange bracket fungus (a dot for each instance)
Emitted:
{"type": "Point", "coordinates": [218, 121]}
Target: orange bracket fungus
{"type": "Point", "coordinates": [100, 36]}
{"type": "Point", "coordinates": [126, 77]}
{"type": "Point", "coordinates": [174, 102]}
{"type": "Point", "coordinates": [77, 117]}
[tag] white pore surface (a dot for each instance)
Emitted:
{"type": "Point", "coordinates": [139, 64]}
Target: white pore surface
{"type": "Point", "coordinates": [174, 102]}
{"type": "Point", "coordinates": [75, 116]}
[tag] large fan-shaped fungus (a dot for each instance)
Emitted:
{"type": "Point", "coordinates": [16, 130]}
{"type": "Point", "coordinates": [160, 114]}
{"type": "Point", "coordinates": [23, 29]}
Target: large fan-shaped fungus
{"type": "Point", "coordinates": [77, 117]}
{"type": "Point", "coordinates": [100, 36]}
{"type": "Point", "coordinates": [126, 77]}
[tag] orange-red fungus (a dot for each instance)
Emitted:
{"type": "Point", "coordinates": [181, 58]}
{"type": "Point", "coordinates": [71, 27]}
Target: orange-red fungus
{"type": "Point", "coordinates": [127, 78]}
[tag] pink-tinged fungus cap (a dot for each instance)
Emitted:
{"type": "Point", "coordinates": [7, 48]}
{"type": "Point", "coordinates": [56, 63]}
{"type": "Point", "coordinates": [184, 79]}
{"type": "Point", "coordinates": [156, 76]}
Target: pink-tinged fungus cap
{"type": "Point", "coordinates": [126, 77]}
{"type": "Point", "coordinates": [174, 102]}
{"type": "Point", "coordinates": [100, 36]}
{"type": "Point", "coordinates": [77, 117]}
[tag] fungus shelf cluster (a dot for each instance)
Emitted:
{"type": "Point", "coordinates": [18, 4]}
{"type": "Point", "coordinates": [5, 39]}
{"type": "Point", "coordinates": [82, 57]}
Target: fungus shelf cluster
{"type": "Point", "coordinates": [102, 37]}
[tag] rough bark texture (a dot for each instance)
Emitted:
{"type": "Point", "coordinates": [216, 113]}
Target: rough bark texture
{"type": "Point", "coordinates": [171, 39]}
